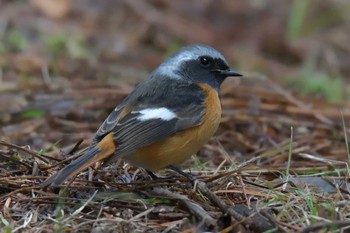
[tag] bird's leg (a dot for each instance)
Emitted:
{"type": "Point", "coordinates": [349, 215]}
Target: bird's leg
{"type": "Point", "coordinates": [152, 175]}
{"type": "Point", "coordinates": [190, 177]}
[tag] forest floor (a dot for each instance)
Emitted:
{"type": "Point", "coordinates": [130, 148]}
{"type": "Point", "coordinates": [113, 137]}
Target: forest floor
{"type": "Point", "coordinates": [278, 163]}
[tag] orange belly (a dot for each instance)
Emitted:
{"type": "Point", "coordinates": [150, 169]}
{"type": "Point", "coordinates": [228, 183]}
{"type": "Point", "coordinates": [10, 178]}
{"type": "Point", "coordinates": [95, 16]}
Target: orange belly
{"type": "Point", "coordinates": [176, 149]}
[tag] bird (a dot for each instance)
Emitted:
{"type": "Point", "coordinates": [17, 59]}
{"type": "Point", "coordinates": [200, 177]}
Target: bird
{"type": "Point", "coordinates": [167, 118]}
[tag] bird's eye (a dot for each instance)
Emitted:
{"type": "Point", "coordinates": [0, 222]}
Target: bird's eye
{"type": "Point", "coordinates": [205, 61]}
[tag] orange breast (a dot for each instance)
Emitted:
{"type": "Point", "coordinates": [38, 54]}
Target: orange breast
{"type": "Point", "coordinates": [178, 148]}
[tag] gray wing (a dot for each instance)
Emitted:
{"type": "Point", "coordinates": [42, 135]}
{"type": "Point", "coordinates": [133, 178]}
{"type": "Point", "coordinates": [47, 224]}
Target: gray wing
{"type": "Point", "coordinates": [133, 131]}
{"type": "Point", "coordinates": [132, 134]}
{"type": "Point", "coordinates": [109, 124]}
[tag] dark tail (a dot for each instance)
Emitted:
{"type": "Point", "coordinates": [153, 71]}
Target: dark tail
{"type": "Point", "coordinates": [100, 152]}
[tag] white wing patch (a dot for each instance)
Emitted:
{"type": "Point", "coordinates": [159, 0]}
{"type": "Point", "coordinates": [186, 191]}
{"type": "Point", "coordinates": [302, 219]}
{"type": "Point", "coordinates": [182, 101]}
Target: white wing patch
{"type": "Point", "coordinates": [156, 113]}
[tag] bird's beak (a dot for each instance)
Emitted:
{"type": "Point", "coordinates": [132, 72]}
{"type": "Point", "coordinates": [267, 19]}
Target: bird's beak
{"type": "Point", "coordinates": [229, 72]}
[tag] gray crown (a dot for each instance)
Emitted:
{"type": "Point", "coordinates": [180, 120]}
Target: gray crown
{"type": "Point", "coordinates": [170, 66]}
